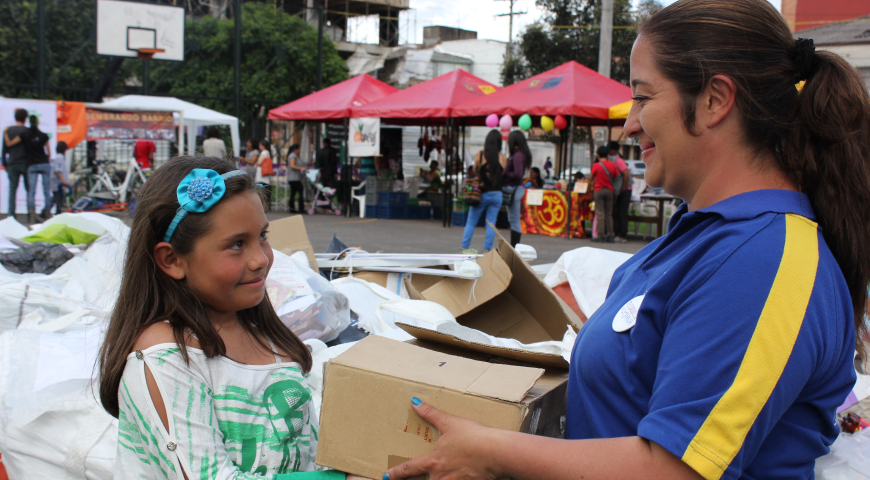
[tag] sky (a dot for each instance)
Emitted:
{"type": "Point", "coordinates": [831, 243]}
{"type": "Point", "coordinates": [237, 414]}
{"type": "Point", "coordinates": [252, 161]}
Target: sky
{"type": "Point", "coordinates": [477, 15]}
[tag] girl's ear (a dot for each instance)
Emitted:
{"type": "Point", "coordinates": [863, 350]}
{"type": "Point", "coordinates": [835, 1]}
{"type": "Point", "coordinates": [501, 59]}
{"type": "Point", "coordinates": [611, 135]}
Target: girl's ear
{"type": "Point", "coordinates": [168, 261]}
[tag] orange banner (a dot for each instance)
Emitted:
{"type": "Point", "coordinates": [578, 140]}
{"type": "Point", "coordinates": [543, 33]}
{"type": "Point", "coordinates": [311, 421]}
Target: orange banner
{"type": "Point", "coordinates": [72, 124]}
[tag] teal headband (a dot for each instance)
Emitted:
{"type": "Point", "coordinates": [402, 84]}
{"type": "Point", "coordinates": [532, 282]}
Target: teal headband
{"type": "Point", "coordinates": [200, 190]}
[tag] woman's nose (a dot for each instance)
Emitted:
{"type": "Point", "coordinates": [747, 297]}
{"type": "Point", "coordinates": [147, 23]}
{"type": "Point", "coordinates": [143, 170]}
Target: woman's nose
{"type": "Point", "coordinates": [632, 126]}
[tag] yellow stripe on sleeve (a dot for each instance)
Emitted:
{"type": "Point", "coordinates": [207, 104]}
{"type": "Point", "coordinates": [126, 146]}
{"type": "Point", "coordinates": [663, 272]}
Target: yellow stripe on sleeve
{"type": "Point", "coordinates": [723, 432]}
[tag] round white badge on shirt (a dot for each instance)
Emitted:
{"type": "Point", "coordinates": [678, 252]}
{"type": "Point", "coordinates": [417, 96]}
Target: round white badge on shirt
{"type": "Point", "coordinates": [626, 317]}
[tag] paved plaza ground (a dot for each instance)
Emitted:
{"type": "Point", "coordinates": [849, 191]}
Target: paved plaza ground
{"type": "Point", "coordinates": [423, 236]}
{"type": "Point", "coordinates": [429, 236]}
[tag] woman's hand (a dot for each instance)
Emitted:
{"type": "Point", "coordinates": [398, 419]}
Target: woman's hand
{"type": "Point", "coordinates": [460, 452]}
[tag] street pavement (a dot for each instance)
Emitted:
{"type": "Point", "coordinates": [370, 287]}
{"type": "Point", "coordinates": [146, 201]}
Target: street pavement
{"type": "Point", "coordinates": [429, 236]}
{"type": "Point", "coordinates": [422, 236]}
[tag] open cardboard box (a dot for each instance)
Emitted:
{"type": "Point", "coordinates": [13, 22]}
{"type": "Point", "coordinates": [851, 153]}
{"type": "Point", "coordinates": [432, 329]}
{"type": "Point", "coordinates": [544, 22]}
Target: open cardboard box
{"type": "Point", "coordinates": [288, 236]}
{"type": "Point", "coordinates": [367, 425]}
{"type": "Point", "coordinates": [511, 302]}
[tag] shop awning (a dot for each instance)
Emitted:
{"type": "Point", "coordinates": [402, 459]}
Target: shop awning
{"type": "Point", "coordinates": [334, 102]}
{"type": "Point", "coordinates": [430, 100]}
{"type": "Point", "coordinates": [620, 112]}
{"type": "Point", "coordinates": [569, 89]}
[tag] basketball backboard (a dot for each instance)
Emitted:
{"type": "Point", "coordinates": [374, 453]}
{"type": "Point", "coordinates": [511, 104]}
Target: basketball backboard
{"type": "Point", "coordinates": [123, 28]}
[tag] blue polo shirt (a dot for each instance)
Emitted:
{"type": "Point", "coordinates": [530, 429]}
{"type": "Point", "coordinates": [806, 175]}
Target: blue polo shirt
{"type": "Point", "coordinates": [742, 347]}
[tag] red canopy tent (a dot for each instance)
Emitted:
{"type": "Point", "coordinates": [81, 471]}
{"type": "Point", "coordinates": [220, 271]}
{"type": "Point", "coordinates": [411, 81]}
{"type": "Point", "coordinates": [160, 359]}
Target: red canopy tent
{"type": "Point", "coordinates": [335, 102]}
{"type": "Point", "coordinates": [432, 101]}
{"type": "Point", "coordinates": [570, 90]}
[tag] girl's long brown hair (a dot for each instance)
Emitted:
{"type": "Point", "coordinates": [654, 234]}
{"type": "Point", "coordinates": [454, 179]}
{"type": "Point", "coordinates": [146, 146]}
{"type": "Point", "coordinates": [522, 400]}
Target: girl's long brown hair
{"type": "Point", "coordinates": [149, 296]}
{"type": "Point", "coordinates": [819, 136]}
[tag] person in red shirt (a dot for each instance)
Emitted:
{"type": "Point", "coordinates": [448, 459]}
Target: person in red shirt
{"type": "Point", "coordinates": [144, 153]}
{"type": "Point", "coordinates": [602, 171]}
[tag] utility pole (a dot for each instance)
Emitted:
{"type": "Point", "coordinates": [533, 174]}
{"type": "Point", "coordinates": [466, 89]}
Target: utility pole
{"type": "Point", "coordinates": [510, 47]}
{"type": "Point", "coordinates": [606, 41]}
{"type": "Point", "coordinates": [237, 54]}
{"type": "Point", "coordinates": [40, 41]}
{"type": "Point", "coordinates": [320, 15]}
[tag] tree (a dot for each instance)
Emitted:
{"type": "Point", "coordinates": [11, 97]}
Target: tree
{"type": "Point", "coordinates": [279, 56]}
{"type": "Point", "coordinates": [71, 56]}
{"type": "Point", "coordinates": [569, 31]}
{"type": "Point", "coordinates": [279, 59]}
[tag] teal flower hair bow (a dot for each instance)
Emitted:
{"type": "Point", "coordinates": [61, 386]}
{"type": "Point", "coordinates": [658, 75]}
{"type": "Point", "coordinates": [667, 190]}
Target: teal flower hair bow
{"type": "Point", "coordinates": [200, 190]}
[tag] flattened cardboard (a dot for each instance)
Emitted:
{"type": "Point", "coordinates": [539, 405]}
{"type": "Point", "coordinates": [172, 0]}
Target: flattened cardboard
{"type": "Point", "coordinates": [513, 303]}
{"type": "Point", "coordinates": [288, 236]}
{"type": "Point", "coordinates": [453, 293]}
{"type": "Point", "coordinates": [368, 425]}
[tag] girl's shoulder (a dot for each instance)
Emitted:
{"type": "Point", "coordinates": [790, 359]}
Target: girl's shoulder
{"type": "Point", "coordinates": [161, 333]}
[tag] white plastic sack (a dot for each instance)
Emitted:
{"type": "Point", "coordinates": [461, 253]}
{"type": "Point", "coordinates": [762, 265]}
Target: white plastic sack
{"type": "Point", "coordinates": [51, 425]}
{"type": "Point", "coordinates": [849, 458]}
{"type": "Point", "coordinates": [305, 301]}
{"type": "Point", "coordinates": [89, 222]}
{"type": "Point", "coordinates": [588, 271]}
{"type": "Point", "coordinates": [364, 298]}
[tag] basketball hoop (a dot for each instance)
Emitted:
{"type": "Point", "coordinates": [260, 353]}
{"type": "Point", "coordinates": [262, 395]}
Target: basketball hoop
{"type": "Point", "coordinates": [148, 53]}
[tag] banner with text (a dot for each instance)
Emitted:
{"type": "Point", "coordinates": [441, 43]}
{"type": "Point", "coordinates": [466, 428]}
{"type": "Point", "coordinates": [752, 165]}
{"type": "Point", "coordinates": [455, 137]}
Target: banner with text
{"type": "Point", "coordinates": [364, 137]}
{"type": "Point", "coordinates": [135, 125]}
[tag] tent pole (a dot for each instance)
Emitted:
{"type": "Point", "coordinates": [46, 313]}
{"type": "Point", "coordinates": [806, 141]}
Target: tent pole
{"type": "Point", "coordinates": [344, 165]}
{"type": "Point", "coordinates": [570, 171]}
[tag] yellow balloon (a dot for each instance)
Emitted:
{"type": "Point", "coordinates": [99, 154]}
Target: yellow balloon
{"type": "Point", "coordinates": [547, 123]}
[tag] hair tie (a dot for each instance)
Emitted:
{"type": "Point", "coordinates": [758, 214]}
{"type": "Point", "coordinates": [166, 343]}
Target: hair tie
{"type": "Point", "coordinates": [198, 191]}
{"type": "Point", "coordinates": [805, 58]}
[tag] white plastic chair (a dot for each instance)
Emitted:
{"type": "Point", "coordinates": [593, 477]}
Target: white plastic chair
{"type": "Point", "coordinates": [360, 197]}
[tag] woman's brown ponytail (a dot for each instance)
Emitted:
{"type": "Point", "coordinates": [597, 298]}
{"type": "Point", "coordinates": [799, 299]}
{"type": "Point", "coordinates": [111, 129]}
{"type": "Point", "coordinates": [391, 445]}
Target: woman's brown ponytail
{"type": "Point", "coordinates": [829, 157]}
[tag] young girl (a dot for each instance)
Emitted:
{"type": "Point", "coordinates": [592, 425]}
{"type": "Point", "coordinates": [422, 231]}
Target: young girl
{"type": "Point", "coordinates": [205, 379]}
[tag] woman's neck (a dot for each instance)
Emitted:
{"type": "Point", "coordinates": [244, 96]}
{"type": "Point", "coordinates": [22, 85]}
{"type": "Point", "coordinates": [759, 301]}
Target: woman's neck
{"type": "Point", "coordinates": [737, 170]}
{"type": "Point", "coordinates": [223, 321]}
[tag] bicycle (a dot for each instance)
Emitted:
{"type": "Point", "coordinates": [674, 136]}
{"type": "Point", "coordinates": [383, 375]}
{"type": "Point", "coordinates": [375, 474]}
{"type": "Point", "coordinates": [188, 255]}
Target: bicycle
{"type": "Point", "coordinates": [101, 185]}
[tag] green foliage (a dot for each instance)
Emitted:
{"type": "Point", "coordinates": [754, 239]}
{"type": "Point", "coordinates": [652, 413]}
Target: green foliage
{"type": "Point", "coordinates": [513, 70]}
{"type": "Point", "coordinates": [569, 31]}
{"type": "Point", "coordinates": [70, 29]}
{"type": "Point", "coordinates": [268, 36]}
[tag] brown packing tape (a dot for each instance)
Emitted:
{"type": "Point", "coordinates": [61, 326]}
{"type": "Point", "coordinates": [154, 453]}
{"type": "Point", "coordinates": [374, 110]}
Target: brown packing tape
{"type": "Point", "coordinates": [288, 236]}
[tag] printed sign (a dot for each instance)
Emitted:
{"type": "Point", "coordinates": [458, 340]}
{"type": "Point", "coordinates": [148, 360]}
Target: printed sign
{"type": "Point", "coordinates": [113, 124]}
{"type": "Point", "coordinates": [364, 137]}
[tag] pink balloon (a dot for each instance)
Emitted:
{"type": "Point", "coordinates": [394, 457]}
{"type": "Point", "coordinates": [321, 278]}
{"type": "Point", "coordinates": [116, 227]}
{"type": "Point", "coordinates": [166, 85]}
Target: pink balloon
{"type": "Point", "coordinates": [492, 120]}
{"type": "Point", "coordinates": [506, 122]}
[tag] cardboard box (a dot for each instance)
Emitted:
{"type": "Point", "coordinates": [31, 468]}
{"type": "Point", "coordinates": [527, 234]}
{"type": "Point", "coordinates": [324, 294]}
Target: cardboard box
{"type": "Point", "coordinates": [288, 236]}
{"type": "Point", "coordinates": [367, 424]}
{"type": "Point", "coordinates": [512, 302]}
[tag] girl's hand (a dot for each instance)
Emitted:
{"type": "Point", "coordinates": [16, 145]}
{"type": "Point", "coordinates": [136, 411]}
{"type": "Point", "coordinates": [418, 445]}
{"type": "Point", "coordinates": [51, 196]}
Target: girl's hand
{"type": "Point", "coordinates": [460, 451]}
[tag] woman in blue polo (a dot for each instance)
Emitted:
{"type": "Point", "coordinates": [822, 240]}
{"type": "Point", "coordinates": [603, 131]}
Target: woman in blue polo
{"type": "Point", "coordinates": [725, 347]}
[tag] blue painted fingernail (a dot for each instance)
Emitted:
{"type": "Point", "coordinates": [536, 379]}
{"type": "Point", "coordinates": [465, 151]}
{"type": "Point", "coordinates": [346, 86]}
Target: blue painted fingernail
{"type": "Point", "coordinates": [416, 401]}
{"type": "Point", "coordinates": [386, 476]}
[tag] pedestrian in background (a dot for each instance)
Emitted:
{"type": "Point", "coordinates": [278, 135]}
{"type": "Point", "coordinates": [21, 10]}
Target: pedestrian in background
{"type": "Point", "coordinates": [489, 166]}
{"type": "Point", "coordinates": [59, 177]}
{"type": "Point", "coordinates": [36, 149]}
{"type": "Point", "coordinates": [623, 200]}
{"type": "Point", "coordinates": [143, 152]}
{"type": "Point", "coordinates": [213, 146]}
{"type": "Point", "coordinates": [603, 172]}
{"type": "Point", "coordinates": [512, 181]}
{"type": "Point", "coordinates": [326, 160]}
{"type": "Point", "coordinates": [248, 163]}
{"type": "Point", "coordinates": [548, 165]}
{"type": "Point", "coordinates": [265, 172]}
{"type": "Point", "coordinates": [16, 163]}
{"type": "Point", "coordinates": [295, 174]}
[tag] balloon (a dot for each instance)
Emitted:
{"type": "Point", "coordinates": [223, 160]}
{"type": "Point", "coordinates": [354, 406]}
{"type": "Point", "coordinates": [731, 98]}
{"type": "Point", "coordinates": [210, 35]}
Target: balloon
{"type": "Point", "coordinates": [560, 122]}
{"type": "Point", "coordinates": [492, 120]}
{"type": "Point", "coordinates": [547, 123]}
{"type": "Point", "coordinates": [506, 122]}
{"type": "Point", "coordinates": [525, 122]}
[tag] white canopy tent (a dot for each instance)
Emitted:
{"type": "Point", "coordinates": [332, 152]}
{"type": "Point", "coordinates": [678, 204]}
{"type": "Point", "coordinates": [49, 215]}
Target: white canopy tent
{"type": "Point", "coordinates": [191, 115]}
